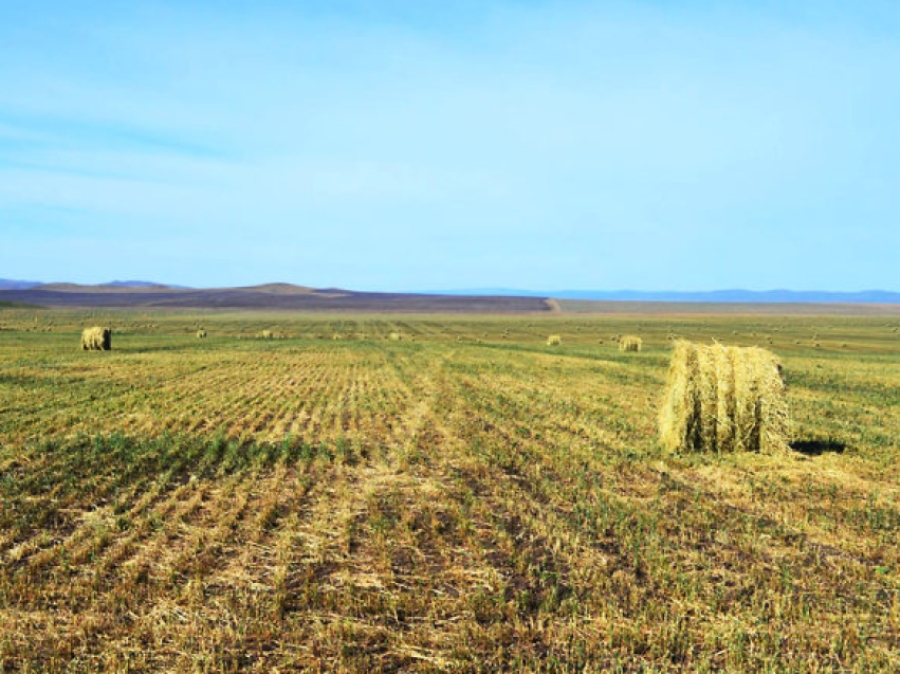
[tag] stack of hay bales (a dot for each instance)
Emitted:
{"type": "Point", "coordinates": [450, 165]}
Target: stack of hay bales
{"type": "Point", "coordinates": [724, 399]}
{"type": "Point", "coordinates": [96, 339]}
{"type": "Point", "coordinates": [630, 343]}
{"type": "Point", "coordinates": [554, 340]}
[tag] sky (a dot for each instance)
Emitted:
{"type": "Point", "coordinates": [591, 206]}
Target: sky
{"type": "Point", "coordinates": [407, 145]}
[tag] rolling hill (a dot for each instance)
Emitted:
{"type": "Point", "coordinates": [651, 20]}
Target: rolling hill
{"type": "Point", "coordinates": [279, 296]}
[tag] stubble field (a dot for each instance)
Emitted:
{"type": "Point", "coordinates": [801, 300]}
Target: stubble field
{"type": "Point", "coordinates": [465, 498]}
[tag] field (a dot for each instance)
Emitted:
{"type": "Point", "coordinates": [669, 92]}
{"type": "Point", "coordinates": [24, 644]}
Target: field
{"type": "Point", "coordinates": [464, 498]}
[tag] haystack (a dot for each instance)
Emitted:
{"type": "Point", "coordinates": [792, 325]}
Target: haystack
{"type": "Point", "coordinates": [630, 343]}
{"type": "Point", "coordinates": [554, 340]}
{"type": "Point", "coordinates": [724, 399]}
{"type": "Point", "coordinates": [96, 339]}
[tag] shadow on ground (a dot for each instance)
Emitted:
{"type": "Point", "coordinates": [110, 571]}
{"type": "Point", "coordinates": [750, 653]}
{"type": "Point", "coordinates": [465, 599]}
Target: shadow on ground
{"type": "Point", "coordinates": [818, 447]}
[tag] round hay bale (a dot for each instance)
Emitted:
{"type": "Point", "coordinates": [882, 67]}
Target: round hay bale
{"type": "Point", "coordinates": [554, 340]}
{"type": "Point", "coordinates": [96, 339]}
{"type": "Point", "coordinates": [724, 399]}
{"type": "Point", "coordinates": [395, 337]}
{"type": "Point", "coordinates": [201, 334]}
{"type": "Point", "coordinates": [630, 343]}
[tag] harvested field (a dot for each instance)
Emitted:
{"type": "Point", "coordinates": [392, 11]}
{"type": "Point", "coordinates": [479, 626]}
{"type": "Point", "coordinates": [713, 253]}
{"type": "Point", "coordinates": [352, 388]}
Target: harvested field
{"type": "Point", "coordinates": [463, 500]}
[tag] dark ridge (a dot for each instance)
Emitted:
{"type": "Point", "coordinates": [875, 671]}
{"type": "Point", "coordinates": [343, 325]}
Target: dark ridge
{"type": "Point", "coordinates": [263, 298]}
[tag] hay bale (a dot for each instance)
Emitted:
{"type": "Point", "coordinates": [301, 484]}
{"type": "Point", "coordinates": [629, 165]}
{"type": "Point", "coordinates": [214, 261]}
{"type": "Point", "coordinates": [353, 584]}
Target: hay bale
{"type": "Point", "coordinates": [265, 334]}
{"type": "Point", "coordinates": [96, 339]}
{"type": "Point", "coordinates": [554, 340]}
{"type": "Point", "coordinates": [395, 337]}
{"type": "Point", "coordinates": [724, 399]}
{"type": "Point", "coordinates": [201, 334]}
{"type": "Point", "coordinates": [630, 343]}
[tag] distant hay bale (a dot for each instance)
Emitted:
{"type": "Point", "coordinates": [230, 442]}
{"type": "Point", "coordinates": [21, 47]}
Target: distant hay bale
{"type": "Point", "coordinates": [336, 337]}
{"type": "Point", "coordinates": [724, 399]}
{"type": "Point", "coordinates": [265, 334]}
{"type": "Point", "coordinates": [395, 337]}
{"type": "Point", "coordinates": [554, 340]}
{"type": "Point", "coordinates": [201, 334]}
{"type": "Point", "coordinates": [630, 343]}
{"type": "Point", "coordinates": [96, 339]}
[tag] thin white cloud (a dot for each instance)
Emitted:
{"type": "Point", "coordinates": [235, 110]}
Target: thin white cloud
{"type": "Point", "coordinates": [556, 133]}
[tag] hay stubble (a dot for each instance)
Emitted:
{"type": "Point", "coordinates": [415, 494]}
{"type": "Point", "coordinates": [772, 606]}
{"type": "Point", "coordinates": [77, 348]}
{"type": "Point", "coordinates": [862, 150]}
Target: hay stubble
{"type": "Point", "coordinates": [437, 505]}
{"type": "Point", "coordinates": [724, 399]}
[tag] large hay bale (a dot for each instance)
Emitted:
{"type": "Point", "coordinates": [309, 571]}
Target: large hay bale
{"type": "Point", "coordinates": [724, 399]}
{"type": "Point", "coordinates": [266, 334]}
{"type": "Point", "coordinates": [554, 340]}
{"type": "Point", "coordinates": [96, 339]}
{"type": "Point", "coordinates": [630, 343]}
{"type": "Point", "coordinates": [201, 334]}
{"type": "Point", "coordinates": [395, 337]}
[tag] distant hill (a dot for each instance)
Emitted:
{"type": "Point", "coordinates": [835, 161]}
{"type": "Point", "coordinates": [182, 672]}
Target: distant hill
{"type": "Point", "coordinates": [749, 297]}
{"type": "Point", "coordinates": [9, 284]}
{"type": "Point", "coordinates": [715, 296]}
{"type": "Point", "coordinates": [138, 284]}
{"type": "Point", "coordinates": [277, 296]}
{"type": "Point", "coordinates": [125, 294]}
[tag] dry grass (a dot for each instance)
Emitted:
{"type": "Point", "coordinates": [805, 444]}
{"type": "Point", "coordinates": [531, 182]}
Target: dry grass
{"type": "Point", "coordinates": [310, 505]}
{"type": "Point", "coordinates": [96, 339]}
{"type": "Point", "coordinates": [630, 343]}
{"type": "Point", "coordinates": [723, 399]}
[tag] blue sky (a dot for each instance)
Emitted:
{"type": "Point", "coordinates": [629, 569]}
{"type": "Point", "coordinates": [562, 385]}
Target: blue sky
{"type": "Point", "coordinates": [414, 145]}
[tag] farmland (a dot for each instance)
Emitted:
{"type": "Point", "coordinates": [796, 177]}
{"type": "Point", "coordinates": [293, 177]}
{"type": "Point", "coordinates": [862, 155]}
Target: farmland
{"type": "Point", "coordinates": [463, 498]}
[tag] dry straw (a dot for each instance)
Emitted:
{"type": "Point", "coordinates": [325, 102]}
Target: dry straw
{"type": "Point", "coordinates": [724, 399]}
{"type": "Point", "coordinates": [630, 343]}
{"type": "Point", "coordinates": [554, 340]}
{"type": "Point", "coordinates": [96, 339]}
